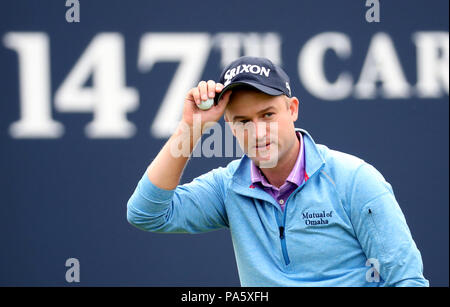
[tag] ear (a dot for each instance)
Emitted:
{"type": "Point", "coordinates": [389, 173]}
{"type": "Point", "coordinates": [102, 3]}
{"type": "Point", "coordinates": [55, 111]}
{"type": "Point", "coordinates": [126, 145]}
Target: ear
{"type": "Point", "coordinates": [293, 108]}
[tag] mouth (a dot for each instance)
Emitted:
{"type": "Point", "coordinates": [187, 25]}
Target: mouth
{"type": "Point", "coordinates": [263, 146]}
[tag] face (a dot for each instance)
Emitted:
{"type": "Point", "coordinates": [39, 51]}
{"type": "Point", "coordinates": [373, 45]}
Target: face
{"type": "Point", "coordinates": [263, 125]}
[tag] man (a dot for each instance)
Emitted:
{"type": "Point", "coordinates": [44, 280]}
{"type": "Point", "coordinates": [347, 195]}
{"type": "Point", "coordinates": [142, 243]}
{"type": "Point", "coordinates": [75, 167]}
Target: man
{"type": "Point", "coordinates": [300, 214]}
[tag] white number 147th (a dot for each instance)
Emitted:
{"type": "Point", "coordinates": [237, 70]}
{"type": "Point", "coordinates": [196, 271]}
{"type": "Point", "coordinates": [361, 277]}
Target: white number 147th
{"type": "Point", "coordinates": [109, 99]}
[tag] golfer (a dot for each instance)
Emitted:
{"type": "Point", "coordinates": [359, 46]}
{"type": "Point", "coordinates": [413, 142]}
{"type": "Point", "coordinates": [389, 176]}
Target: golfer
{"type": "Point", "coordinates": [299, 213]}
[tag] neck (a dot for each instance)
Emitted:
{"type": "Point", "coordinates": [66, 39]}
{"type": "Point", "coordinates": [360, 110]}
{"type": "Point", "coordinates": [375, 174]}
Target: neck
{"type": "Point", "coordinates": [277, 175]}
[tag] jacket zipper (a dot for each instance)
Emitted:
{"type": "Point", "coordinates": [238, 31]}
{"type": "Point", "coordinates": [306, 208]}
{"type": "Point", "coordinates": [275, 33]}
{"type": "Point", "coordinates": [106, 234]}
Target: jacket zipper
{"type": "Point", "coordinates": [282, 225]}
{"type": "Point", "coordinates": [283, 245]}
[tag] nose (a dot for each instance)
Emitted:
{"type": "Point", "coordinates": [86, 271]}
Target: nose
{"type": "Point", "coordinates": [258, 131]}
{"type": "Point", "coordinates": [261, 130]}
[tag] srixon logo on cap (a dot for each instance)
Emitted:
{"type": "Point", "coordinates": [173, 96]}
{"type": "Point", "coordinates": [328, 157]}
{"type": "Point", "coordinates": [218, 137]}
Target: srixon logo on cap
{"type": "Point", "coordinates": [252, 69]}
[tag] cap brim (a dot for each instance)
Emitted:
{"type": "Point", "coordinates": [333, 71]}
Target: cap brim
{"type": "Point", "coordinates": [260, 87]}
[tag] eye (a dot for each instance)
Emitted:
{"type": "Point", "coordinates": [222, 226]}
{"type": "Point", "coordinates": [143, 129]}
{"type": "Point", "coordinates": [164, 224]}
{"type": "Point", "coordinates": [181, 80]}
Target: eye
{"type": "Point", "coordinates": [268, 115]}
{"type": "Point", "coordinates": [244, 121]}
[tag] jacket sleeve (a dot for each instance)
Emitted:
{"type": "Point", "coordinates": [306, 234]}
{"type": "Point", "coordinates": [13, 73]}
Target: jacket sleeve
{"type": "Point", "coordinates": [194, 207]}
{"type": "Point", "coordinates": [382, 230]}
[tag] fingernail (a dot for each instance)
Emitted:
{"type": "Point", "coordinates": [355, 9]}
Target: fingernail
{"type": "Point", "coordinates": [204, 97]}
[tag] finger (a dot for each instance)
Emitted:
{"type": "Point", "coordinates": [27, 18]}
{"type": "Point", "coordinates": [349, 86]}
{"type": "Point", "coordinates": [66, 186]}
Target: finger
{"type": "Point", "coordinates": [219, 87]}
{"type": "Point", "coordinates": [196, 95]}
{"type": "Point", "coordinates": [211, 89]}
{"type": "Point", "coordinates": [202, 87]}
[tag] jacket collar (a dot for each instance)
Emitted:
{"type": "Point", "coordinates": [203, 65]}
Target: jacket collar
{"type": "Point", "coordinates": [241, 179]}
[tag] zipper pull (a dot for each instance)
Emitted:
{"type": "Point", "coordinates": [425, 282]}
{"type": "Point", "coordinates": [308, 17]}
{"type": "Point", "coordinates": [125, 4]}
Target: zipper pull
{"type": "Point", "coordinates": [281, 228]}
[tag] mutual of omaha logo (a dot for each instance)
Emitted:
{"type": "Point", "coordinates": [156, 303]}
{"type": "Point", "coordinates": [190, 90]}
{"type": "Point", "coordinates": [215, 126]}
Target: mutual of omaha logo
{"type": "Point", "coordinates": [317, 218]}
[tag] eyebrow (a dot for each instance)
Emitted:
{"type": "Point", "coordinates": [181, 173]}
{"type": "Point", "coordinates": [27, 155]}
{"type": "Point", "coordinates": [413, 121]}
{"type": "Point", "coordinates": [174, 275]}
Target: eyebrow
{"type": "Point", "coordinates": [259, 112]}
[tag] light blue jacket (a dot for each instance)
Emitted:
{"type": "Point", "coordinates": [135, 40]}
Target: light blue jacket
{"type": "Point", "coordinates": [340, 228]}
